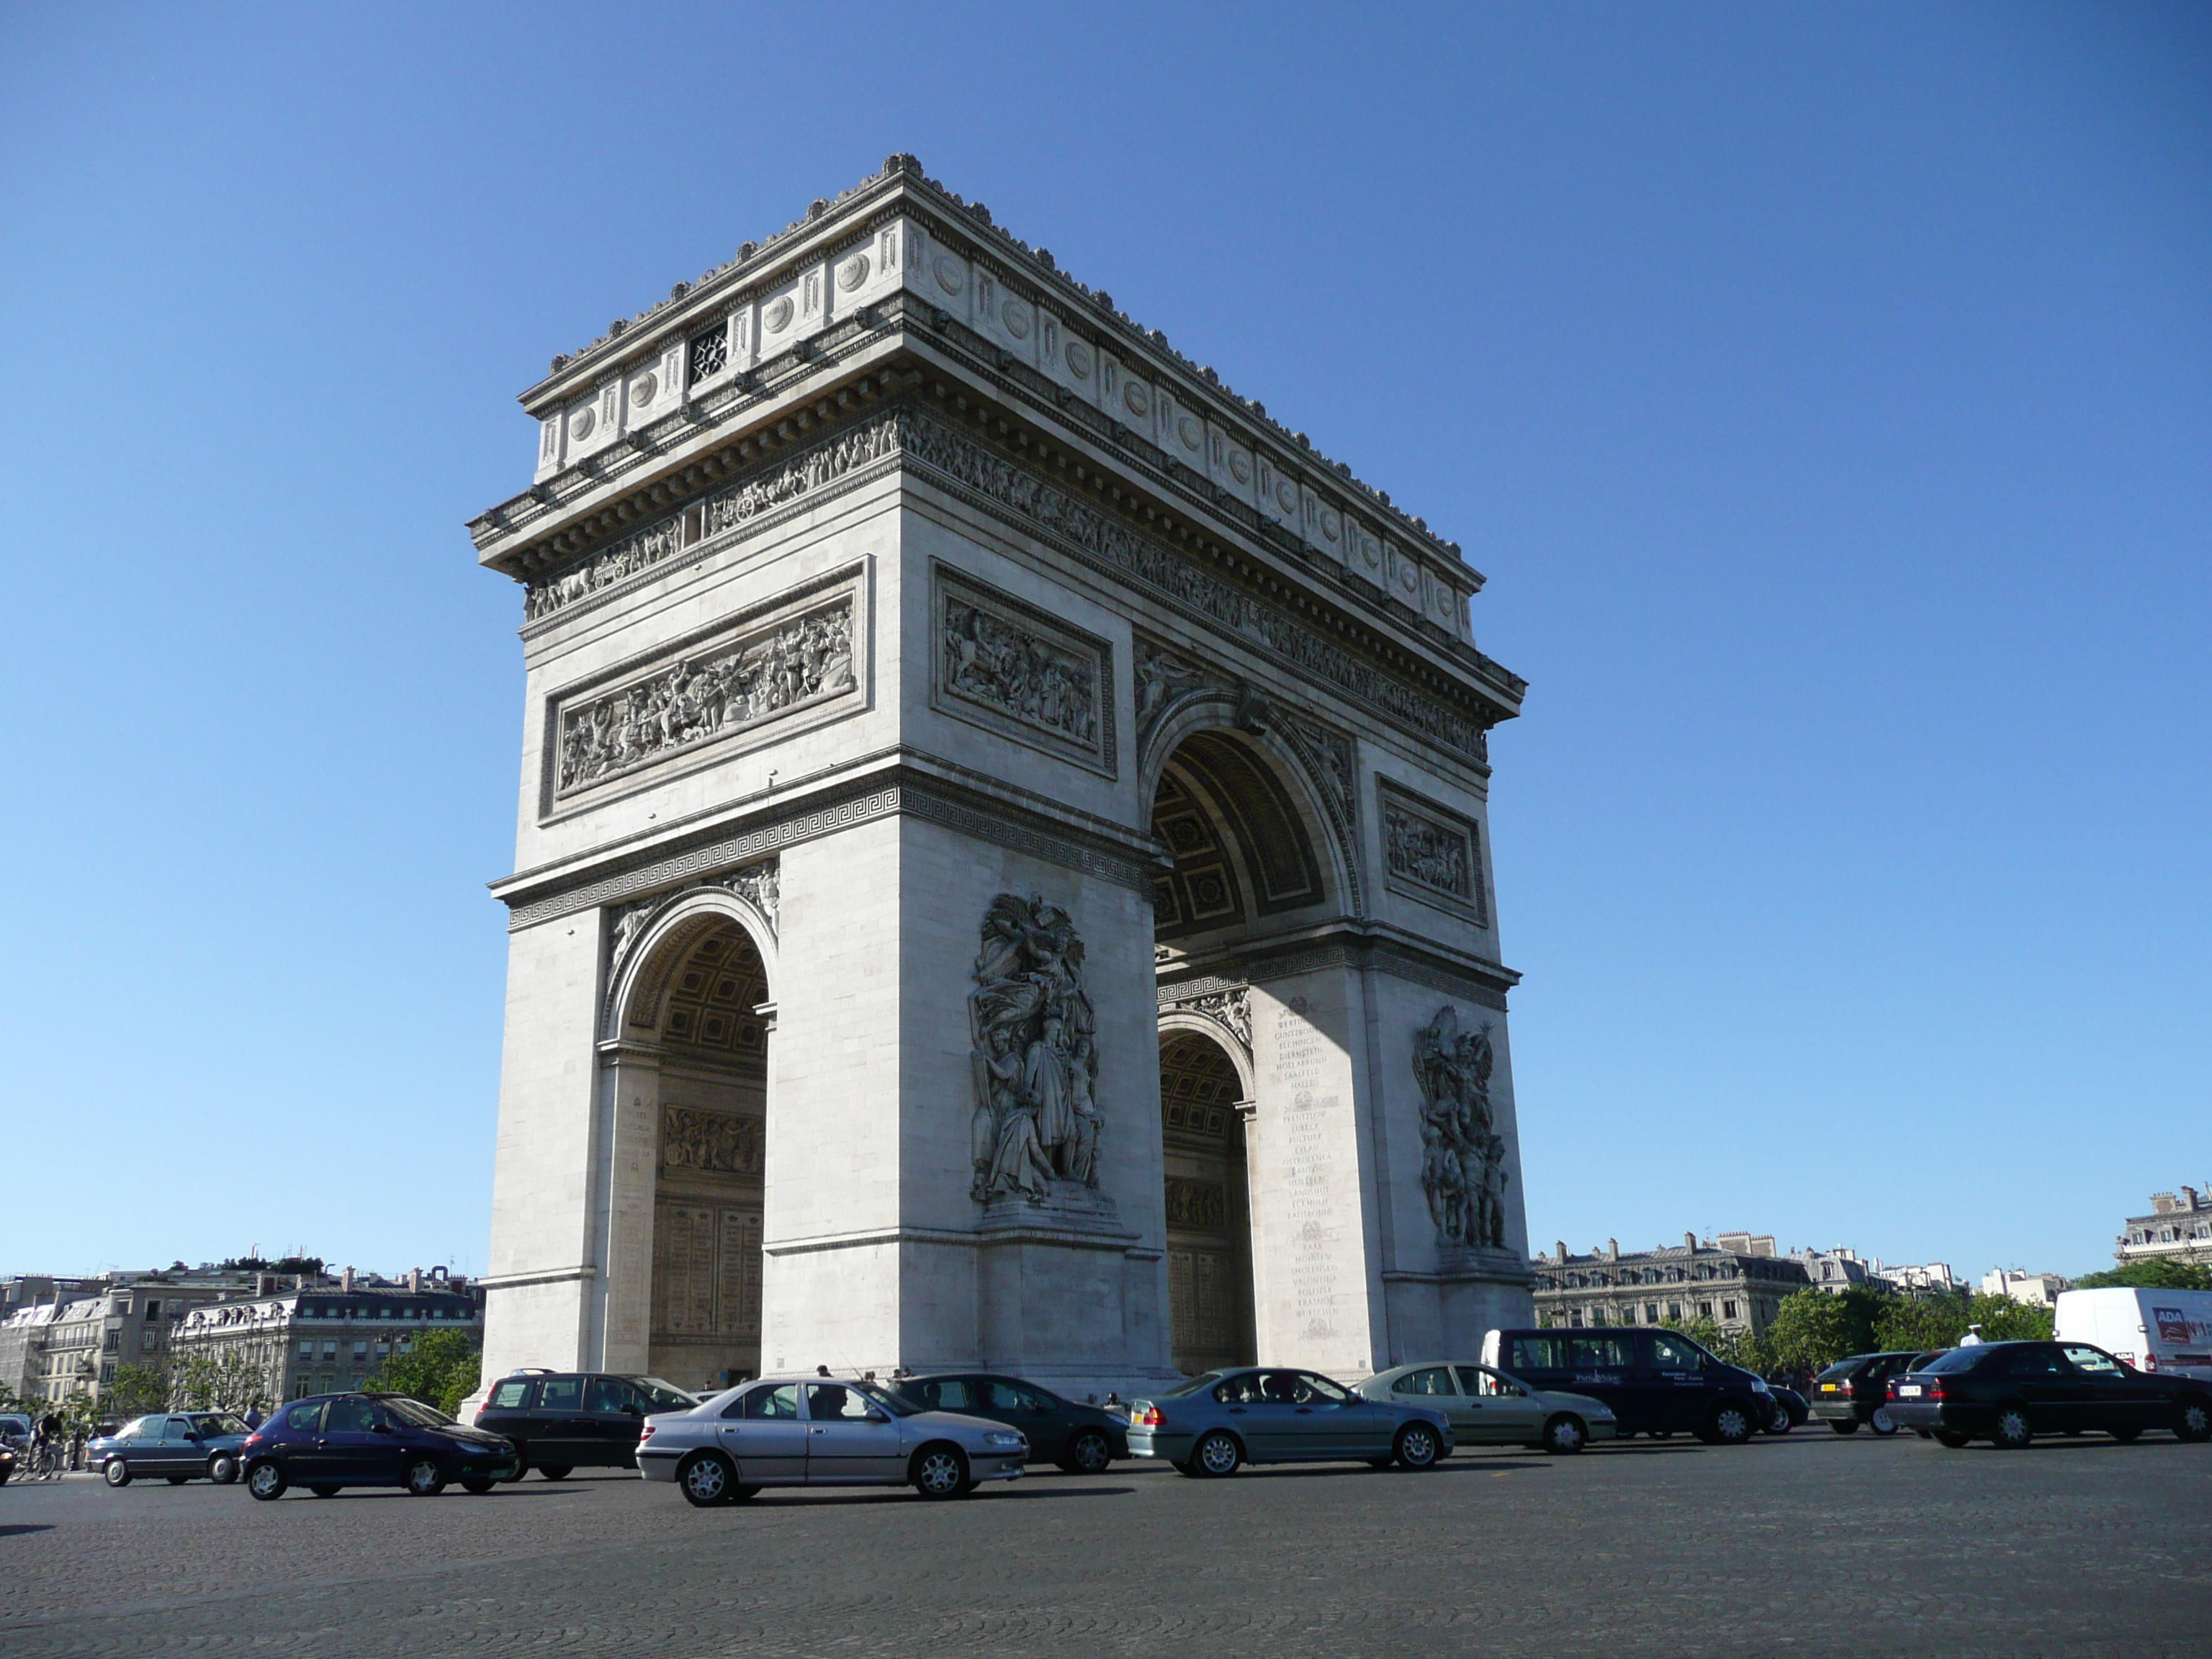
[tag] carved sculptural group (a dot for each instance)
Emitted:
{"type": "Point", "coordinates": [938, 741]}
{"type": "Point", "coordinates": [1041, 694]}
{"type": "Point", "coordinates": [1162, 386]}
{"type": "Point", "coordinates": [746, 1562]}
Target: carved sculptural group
{"type": "Point", "coordinates": [700, 698]}
{"type": "Point", "coordinates": [1036, 1055]}
{"type": "Point", "coordinates": [992, 661]}
{"type": "Point", "coordinates": [1463, 1158]}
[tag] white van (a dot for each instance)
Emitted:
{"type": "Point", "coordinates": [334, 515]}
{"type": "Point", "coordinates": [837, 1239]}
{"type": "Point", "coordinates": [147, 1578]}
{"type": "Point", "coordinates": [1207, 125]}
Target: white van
{"type": "Point", "coordinates": [2167, 1332]}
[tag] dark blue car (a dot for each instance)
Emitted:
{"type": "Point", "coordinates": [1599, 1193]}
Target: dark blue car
{"type": "Point", "coordinates": [368, 1439]}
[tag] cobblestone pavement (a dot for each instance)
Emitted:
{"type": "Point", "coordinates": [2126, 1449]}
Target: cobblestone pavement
{"type": "Point", "coordinates": [2080, 1548]}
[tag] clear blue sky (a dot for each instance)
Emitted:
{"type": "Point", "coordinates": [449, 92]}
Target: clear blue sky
{"type": "Point", "coordinates": [1824, 390]}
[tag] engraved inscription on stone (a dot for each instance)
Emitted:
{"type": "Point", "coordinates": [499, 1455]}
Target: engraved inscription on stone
{"type": "Point", "coordinates": [705, 1270]}
{"type": "Point", "coordinates": [717, 690]}
{"type": "Point", "coordinates": [1002, 665]}
{"type": "Point", "coordinates": [1311, 1173]}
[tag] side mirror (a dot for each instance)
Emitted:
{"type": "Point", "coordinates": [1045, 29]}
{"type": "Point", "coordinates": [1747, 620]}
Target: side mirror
{"type": "Point", "coordinates": [194, 1438]}
{"type": "Point", "coordinates": [382, 1428]}
{"type": "Point", "coordinates": [633, 1410]}
{"type": "Point", "coordinates": [877, 1414]}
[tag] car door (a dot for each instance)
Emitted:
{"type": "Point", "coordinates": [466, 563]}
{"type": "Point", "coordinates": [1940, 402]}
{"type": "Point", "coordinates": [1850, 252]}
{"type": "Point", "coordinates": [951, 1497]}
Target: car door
{"type": "Point", "coordinates": [1603, 1365]}
{"type": "Point", "coordinates": [561, 1432]}
{"type": "Point", "coordinates": [357, 1442]}
{"type": "Point", "coordinates": [616, 1413]}
{"type": "Point", "coordinates": [505, 1410]}
{"type": "Point", "coordinates": [849, 1438]}
{"type": "Point", "coordinates": [1260, 1406]}
{"type": "Point", "coordinates": [762, 1429]}
{"type": "Point", "coordinates": [1021, 1406]}
{"type": "Point", "coordinates": [2112, 1396]}
{"type": "Point", "coordinates": [2050, 1389]}
{"type": "Point", "coordinates": [1507, 1407]}
{"type": "Point", "coordinates": [1434, 1386]}
{"type": "Point", "coordinates": [299, 1441]}
{"type": "Point", "coordinates": [1330, 1420]}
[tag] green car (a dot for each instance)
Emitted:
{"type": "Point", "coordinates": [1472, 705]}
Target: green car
{"type": "Point", "coordinates": [1488, 1407]}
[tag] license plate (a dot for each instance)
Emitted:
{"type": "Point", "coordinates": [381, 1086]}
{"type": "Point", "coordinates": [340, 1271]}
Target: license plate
{"type": "Point", "coordinates": [1827, 1388]}
{"type": "Point", "coordinates": [1905, 1389]}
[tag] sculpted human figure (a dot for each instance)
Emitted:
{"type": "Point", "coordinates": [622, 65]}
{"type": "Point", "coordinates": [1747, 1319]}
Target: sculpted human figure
{"type": "Point", "coordinates": [998, 1076]}
{"type": "Point", "coordinates": [1035, 1118]}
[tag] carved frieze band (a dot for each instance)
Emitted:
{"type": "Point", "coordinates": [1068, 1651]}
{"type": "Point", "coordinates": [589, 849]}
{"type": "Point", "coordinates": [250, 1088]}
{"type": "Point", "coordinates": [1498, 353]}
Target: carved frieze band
{"type": "Point", "coordinates": [798, 653]}
{"type": "Point", "coordinates": [1196, 1203]}
{"type": "Point", "coordinates": [748, 845]}
{"type": "Point", "coordinates": [777, 484]}
{"type": "Point", "coordinates": [1004, 666]}
{"type": "Point", "coordinates": [1094, 534]}
{"type": "Point", "coordinates": [1431, 854]}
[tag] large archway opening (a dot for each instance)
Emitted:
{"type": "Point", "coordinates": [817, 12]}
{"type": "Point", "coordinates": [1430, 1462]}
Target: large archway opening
{"type": "Point", "coordinates": [1209, 1240]}
{"type": "Point", "coordinates": [705, 1320]}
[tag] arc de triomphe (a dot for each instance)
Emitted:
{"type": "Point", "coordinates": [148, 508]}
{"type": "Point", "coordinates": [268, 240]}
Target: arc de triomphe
{"type": "Point", "coordinates": [1002, 874]}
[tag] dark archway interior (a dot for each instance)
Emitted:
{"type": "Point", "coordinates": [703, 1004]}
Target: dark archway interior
{"type": "Point", "coordinates": [1241, 850]}
{"type": "Point", "coordinates": [1209, 1222]}
{"type": "Point", "coordinates": [706, 1326]}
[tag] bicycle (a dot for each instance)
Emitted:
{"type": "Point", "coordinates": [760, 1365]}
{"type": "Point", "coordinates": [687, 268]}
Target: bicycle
{"type": "Point", "coordinates": [46, 1461]}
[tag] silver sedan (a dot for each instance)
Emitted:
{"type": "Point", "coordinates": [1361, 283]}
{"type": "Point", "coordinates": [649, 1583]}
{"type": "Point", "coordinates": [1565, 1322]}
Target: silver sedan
{"type": "Point", "coordinates": [1486, 1404]}
{"type": "Point", "coordinates": [1274, 1414]}
{"type": "Point", "coordinates": [822, 1431]}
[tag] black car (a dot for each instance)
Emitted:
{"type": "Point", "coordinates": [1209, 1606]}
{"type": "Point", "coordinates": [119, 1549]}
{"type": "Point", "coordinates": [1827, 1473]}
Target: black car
{"type": "Point", "coordinates": [330, 1441]}
{"type": "Point", "coordinates": [2007, 1393]}
{"type": "Point", "coordinates": [1081, 1439]}
{"type": "Point", "coordinates": [562, 1421]}
{"type": "Point", "coordinates": [1656, 1381]}
{"type": "Point", "coordinates": [1791, 1410]}
{"type": "Point", "coordinates": [1855, 1390]}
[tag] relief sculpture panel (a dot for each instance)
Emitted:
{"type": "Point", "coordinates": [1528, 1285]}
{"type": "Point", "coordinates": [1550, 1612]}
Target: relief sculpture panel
{"type": "Point", "coordinates": [734, 681]}
{"type": "Point", "coordinates": [1035, 1059]}
{"type": "Point", "coordinates": [1431, 855]}
{"type": "Point", "coordinates": [1002, 665]}
{"type": "Point", "coordinates": [1463, 1158]}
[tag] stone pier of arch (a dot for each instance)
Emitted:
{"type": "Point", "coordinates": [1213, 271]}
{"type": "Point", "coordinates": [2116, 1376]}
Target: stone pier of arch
{"type": "Point", "coordinates": [949, 713]}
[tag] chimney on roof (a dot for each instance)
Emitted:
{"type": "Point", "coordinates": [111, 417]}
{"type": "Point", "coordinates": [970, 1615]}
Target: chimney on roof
{"type": "Point", "coordinates": [1561, 1247]}
{"type": "Point", "coordinates": [2189, 1199]}
{"type": "Point", "coordinates": [414, 1282]}
{"type": "Point", "coordinates": [1689, 1241]}
{"type": "Point", "coordinates": [345, 1281]}
{"type": "Point", "coordinates": [1612, 1249]}
{"type": "Point", "coordinates": [264, 1284]}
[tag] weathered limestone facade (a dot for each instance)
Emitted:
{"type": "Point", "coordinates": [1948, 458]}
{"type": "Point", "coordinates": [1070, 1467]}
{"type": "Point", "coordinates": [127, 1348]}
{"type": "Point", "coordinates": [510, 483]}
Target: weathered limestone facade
{"type": "Point", "coordinates": [949, 713]}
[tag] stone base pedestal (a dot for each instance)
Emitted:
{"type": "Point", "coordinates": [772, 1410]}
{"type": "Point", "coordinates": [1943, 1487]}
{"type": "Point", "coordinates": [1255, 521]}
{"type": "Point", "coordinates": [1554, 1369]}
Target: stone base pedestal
{"type": "Point", "coordinates": [1068, 1293]}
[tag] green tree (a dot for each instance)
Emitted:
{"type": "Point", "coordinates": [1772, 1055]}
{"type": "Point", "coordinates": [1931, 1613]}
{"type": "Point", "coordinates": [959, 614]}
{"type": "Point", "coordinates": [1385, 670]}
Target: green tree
{"type": "Point", "coordinates": [442, 1369]}
{"type": "Point", "coordinates": [2003, 1320]}
{"type": "Point", "coordinates": [228, 1381]}
{"type": "Point", "coordinates": [136, 1390]}
{"type": "Point", "coordinates": [1736, 1348]}
{"type": "Point", "coordinates": [1814, 1329]}
{"type": "Point", "coordinates": [2157, 1272]}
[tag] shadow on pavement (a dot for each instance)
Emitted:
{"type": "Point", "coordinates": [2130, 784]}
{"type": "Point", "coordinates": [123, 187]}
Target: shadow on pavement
{"type": "Point", "coordinates": [18, 1530]}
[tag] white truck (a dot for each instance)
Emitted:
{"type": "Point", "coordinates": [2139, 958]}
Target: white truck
{"type": "Point", "coordinates": [2165, 1332]}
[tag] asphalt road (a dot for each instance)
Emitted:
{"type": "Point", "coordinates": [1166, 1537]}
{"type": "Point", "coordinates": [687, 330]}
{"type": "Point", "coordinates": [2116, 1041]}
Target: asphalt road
{"type": "Point", "coordinates": [1860, 1546]}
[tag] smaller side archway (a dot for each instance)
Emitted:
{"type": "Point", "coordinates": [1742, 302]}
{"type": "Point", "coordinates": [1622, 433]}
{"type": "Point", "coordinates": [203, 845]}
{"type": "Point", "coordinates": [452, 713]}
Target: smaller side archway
{"type": "Point", "coordinates": [685, 1080]}
{"type": "Point", "coordinates": [1203, 1097]}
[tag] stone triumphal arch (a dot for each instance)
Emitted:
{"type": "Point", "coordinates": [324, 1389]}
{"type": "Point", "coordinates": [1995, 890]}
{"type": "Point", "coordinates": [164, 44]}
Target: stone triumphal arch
{"type": "Point", "coordinates": [1002, 873]}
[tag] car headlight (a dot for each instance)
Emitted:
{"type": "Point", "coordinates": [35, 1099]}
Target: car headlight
{"type": "Point", "coordinates": [1003, 1439]}
{"type": "Point", "coordinates": [1759, 1386]}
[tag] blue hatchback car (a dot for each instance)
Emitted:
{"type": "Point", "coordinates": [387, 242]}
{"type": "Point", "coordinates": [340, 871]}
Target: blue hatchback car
{"type": "Point", "coordinates": [331, 1441]}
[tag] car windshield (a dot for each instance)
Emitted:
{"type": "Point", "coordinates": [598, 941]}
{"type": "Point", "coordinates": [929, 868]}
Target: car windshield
{"type": "Point", "coordinates": [1204, 1380]}
{"type": "Point", "coordinates": [414, 1411]}
{"type": "Point", "coordinates": [666, 1395]}
{"type": "Point", "coordinates": [890, 1401]}
{"type": "Point", "coordinates": [1959, 1359]}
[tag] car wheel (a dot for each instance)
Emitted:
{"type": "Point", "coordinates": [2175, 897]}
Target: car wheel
{"type": "Point", "coordinates": [1950, 1437]}
{"type": "Point", "coordinates": [1089, 1453]}
{"type": "Point", "coordinates": [177, 1480]}
{"type": "Point", "coordinates": [118, 1472]}
{"type": "Point", "coordinates": [223, 1469]}
{"type": "Point", "coordinates": [521, 1463]}
{"type": "Point", "coordinates": [940, 1472]}
{"type": "Point", "coordinates": [1189, 1471]}
{"type": "Point", "coordinates": [1416, 1448]}
{"type": "Point", "coordinates": [324, 1491]}
{"type": "Point", "coordinates": [1844, 1425]}
{"type": "Point", "coordinates": [1565, 1435]}
{"type": "Point", "coordinates": [424, 1477]}
{"type": "Point", "coordinates": [2195, 1421]}
{"type": "Point", "coordinates": [1779, 1423]}
{"type": "Point", "coordinates": [265, 1480]}
{"type": "Point", "coordinates": [1882, 1422]}
{"type": "Point", "coordinates": [2011, 1431]}
{"type": "Point", "coordinates": [556, 1471]}
{"type": "Point", "coordinates": [1216, 1455]}
{"type": "Point", "coordinates": [1729, 1424]}
{"type": "Point", "coordinates": [707, 1480]}
{"type": "Point", "coordinates": [478, 1484]}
